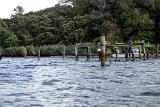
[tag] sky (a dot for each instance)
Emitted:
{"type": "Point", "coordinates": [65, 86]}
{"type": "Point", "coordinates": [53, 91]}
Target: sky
{"type": "Point", "coordinates": [7, 6]}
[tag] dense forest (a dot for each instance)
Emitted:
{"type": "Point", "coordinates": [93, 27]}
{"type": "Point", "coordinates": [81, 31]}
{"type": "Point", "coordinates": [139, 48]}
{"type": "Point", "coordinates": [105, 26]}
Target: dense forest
{"type": "Point", "coordinates": [83, 21]}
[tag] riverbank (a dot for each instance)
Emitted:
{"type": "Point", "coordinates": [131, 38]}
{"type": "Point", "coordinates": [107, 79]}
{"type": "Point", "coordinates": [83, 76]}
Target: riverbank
{"type": "Point", "coordinates": [58, 50]}
{"type": "Point", "coordinates": [44, 51]}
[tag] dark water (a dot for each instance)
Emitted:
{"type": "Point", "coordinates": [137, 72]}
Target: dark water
{"type": "Point", "coordinates": [53, 82]}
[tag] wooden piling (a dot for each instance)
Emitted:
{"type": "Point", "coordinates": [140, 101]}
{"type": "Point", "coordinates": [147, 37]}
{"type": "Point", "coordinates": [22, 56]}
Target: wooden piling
{"type": "Point", "coordinates": [76, 53]}
{"type": "Point", "coordinates": [144, 50]}
{"type": "Point", "coordinates": [39, 53]}
{"type": "Point", "coordinates": [116, 53]}
{"type": "Point", "coordinates": [129, 53]}
{"type": "Point", "coordinates": [88, 53]}
{"type": "Point", "coordinates": [157, 50]}
{"type": "Point", "coordinates": [133, 57]}
{"type": "Point", "coordinates": [64, 51]}
{"type": "Point", "coordinates": [106, 54]}
{"type": "Point", "coordinates": [147, 54]}
{"type": "Point", "coordinates": [103, 50]}
{"type": "Point", "coordinates": [140, 52]}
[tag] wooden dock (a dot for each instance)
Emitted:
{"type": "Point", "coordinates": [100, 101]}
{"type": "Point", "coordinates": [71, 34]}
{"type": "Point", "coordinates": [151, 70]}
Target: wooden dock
{"type": "Point", "coordinates": [104, 50]}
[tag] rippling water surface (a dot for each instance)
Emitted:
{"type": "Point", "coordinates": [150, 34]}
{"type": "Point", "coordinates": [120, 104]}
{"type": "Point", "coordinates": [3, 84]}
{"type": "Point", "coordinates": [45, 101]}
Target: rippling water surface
{"type": "Point", "coordinates": [53, 82]}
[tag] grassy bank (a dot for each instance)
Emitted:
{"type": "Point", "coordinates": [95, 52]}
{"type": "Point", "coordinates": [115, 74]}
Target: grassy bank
{"type": "Point", "coordinates": [45, 51]}
{"type": "Point", "coordinates": [1, 52]}
{"type": "Point", "coordinates": [51, 50]}
{"type": "Point", "coordinates": [15, 52]}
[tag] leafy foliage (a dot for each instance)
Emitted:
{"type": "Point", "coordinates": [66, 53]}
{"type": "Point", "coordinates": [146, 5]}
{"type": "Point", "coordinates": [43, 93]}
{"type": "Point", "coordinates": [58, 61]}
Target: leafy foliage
{"type": "Point", "coordinates": [83, 21]}
{"type": "Point", "coordinates": [8, 38]}
{"type": "Point", "coordinates": [16, 51]}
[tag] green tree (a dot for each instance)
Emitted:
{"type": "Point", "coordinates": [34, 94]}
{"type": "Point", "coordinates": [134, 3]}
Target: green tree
{"type": "Point", "coordinates": [8, 38]}
{"type": "Point", "coordinates": [46, 38]}
{"type": "Point", "coordinates": [19, 10]}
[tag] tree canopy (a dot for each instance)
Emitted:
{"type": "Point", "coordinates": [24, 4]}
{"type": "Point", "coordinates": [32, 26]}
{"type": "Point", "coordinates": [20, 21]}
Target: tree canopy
{"type": "Point", "coordinates": [83, 21]}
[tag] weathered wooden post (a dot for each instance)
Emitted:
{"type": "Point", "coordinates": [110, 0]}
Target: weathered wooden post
{"type": "Point", "coordinates": [103, 50]}
{"type": "Point", "coordinates": [88, 53]}
{"type": "Point", "coordinates": [133, 57]}
{"type": "Point", "coordinates": [0, 57]}
{"type": "Point", "coordinates": [144, 50]}
{"type": "Point", "coordinates": [129, 55]}
{"type": "Point", "coordinates": [39, 53]}
{"type": "Point", "coordinates": [140, 50]}
{"type": "Point", "coordinates": [1, 53]}
{"type": "Point", "coordinates": [76, 52]}
{"type": "Point", "coordinates": [157, 50]}
{"type": "Point", "coordinates": [116, 53]}
{"type": "Point", "coordinates": [147, 54]}
{"type": "Point", "coordinates": [147, 50]}
{"type": "Point", "coordinates": [64, 51]}
{"type": "Point", "coordinates": [130, 44]}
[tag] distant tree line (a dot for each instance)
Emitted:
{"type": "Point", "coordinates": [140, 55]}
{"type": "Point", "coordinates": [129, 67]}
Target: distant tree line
{"type": "Point", "coordinates": [83, 21]}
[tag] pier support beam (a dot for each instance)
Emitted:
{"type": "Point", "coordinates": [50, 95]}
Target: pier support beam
{"type": "Point", "coordinates": [64, 51]}
{"type": "Point", "coordinates": [144, 50]}
{"type": "Point", "coordinates": [88, 53]}
{"type": "Point", "coordinates": [116, 53]}
{"type": "Point", "coordinates": [147, 53]}
{"type": "Point", "coordinates": [129, 54]}
{"type": "Point", "coordinates": [39, 53]}
{"type": "Point", "coordinates": [133, 57]}
{"type": "Point", "coordinates": [157, 50]}
{"type": "Point", "coordinates": [103, 50]}
{"type": "Point", "coordinates": [140, 52]}
{"type": "Point", "coordinates": [76, 52]}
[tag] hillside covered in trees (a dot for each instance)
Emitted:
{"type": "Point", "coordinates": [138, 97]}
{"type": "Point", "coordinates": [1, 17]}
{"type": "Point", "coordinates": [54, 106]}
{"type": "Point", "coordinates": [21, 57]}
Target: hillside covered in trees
{"type": "Point", "coordinates": [83, 21]}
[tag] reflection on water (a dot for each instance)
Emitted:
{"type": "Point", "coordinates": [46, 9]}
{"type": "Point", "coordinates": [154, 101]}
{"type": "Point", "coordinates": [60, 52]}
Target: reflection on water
{"type": "Point", "coordinates": [53, 82]}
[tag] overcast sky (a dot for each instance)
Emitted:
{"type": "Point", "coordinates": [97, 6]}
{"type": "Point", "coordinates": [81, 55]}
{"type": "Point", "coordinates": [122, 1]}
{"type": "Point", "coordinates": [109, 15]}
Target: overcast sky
{"type": "Point", "coordinates": [7, 6]}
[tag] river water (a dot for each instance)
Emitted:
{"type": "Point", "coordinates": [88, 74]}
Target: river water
{"type": "Point", "coordinates": [54, 82]}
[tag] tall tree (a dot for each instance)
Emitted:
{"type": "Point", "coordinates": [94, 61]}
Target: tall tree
{"type": "Point", "coordinates": [19, 10]}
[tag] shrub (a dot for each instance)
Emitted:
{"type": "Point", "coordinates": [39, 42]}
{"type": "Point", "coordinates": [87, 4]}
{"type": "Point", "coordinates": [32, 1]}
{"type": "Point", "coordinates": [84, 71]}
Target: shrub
{"type": "Point", "coordinates": [22, 51]}
{"type": "Point", "coordinates": [31, 50]}
{"type": "Point", "coordinates": [16, 51]}
{"type": "Point", "coordinates": [51, 50]}
{"type": "Point", "coordinates": [70, 50]}
{"type": "Point", "coordinates": [1, 52]}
